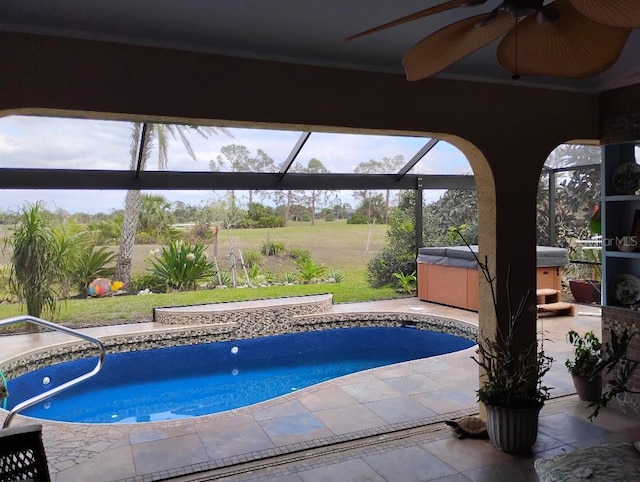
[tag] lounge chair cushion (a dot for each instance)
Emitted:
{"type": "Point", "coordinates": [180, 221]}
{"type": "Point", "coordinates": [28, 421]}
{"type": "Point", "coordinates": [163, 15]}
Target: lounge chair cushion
{"type": "Point", "coordinates": [607, 462]}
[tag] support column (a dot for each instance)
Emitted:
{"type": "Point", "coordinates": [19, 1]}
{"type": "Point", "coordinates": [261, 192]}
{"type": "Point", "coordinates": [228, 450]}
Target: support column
{"type": "Point", "coordinates": [507, 234]}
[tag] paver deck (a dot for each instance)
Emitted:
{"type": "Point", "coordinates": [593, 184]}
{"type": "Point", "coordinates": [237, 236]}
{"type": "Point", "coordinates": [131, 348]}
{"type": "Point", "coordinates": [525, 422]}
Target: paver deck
{"type": "Point", "coordinates": [351, 422]}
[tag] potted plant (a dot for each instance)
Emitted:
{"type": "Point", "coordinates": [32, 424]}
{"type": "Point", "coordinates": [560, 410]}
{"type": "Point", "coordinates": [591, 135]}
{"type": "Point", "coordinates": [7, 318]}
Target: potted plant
{"type": "Point", "coordinates": [584, 368]}
{"type": "Point", "coordinates": [586, 276]}
{"type": "Point", "coordinates": [617, 368]}
{"type": "Point", "coordinates": [512, 392]}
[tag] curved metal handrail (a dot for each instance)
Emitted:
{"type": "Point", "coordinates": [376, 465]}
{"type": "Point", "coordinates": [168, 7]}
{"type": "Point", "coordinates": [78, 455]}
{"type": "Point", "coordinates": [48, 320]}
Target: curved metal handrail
{"type": "Point", "coordinates": [54, 391]}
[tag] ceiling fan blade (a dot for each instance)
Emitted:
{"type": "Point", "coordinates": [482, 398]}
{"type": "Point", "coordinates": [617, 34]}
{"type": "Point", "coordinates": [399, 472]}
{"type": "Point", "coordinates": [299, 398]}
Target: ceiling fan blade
{"type": "Point", "coordinates": [618, 13]}
{"type": "Point", "coordinates": [452, 43]}
{"type": "Point", "coordinates": [572, 47]}
{"type": "Point", "coordinates": [443, 7]}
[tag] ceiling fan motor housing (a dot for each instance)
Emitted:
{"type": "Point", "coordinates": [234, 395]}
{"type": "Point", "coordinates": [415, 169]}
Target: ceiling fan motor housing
{"type": "Point", "coordinates": [522, 8]}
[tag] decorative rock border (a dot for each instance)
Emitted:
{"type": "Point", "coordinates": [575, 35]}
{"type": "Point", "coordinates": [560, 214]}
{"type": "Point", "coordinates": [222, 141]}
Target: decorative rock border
{"type": "Point", "coordinates": [261, 311]}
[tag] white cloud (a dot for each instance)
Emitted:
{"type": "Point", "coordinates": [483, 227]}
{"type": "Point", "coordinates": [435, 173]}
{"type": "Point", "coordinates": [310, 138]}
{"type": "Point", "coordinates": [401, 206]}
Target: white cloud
{"type": "Point", "coordinates": [39, 142]}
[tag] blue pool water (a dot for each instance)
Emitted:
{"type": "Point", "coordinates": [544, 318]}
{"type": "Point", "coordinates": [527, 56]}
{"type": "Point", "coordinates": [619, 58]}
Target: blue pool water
{"type": "Point", "coordinates": [189, 381]}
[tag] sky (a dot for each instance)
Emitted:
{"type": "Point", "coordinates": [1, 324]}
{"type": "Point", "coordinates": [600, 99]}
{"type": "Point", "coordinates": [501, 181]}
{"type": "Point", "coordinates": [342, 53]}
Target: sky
{"type": "Point", "coordinates": [41, 142]}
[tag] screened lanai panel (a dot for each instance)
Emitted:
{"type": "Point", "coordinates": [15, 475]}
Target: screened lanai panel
{"type": "Point", "coordinates": [573, 155]}
{"type": "Point", "coordinates": [62, 143]}
{"type": "Point", "coordinates": [48, 143]}
{"type": "Point", "coordinates": [443, 158]}
{"type": "Point", "coordinates": [350, 153]}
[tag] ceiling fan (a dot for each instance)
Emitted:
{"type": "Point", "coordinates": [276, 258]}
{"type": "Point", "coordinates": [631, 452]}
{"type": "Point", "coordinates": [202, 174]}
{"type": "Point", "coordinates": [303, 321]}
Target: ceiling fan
{"type": "Point", "coordinates": [564, 38]}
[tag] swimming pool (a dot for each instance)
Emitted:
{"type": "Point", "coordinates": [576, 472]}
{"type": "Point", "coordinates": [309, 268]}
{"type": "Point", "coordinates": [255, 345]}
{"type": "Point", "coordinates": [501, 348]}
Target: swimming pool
{"type": "Point", "coordinates": [189, 381]}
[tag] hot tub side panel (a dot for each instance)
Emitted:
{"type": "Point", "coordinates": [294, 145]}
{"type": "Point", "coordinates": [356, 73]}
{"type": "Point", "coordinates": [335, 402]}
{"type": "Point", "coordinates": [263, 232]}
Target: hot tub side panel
{"type": "Point", "coordinates": [449, 275]}
{"type": "Point", "coordinates": [448, 285]}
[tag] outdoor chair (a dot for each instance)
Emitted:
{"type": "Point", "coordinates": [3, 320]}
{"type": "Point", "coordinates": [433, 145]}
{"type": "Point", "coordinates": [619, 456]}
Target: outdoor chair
{"type": "Point", "coordinates": [22, 456]}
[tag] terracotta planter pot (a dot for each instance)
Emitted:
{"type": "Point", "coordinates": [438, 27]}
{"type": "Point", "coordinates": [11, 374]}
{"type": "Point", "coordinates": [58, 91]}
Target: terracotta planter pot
{"type": "Point", "coordinates": [588, 390]}
{"type": "Point", "coordinates": [586, 291]}
{"type": "Point", "coordinates": [512, 430]}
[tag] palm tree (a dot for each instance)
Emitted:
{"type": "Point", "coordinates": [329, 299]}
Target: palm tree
{"type": "Point", "coordinates": [132, 200]}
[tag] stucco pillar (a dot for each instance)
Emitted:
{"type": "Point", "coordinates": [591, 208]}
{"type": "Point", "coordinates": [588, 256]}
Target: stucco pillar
{"type": "Point", "coordinates": [507, 180]}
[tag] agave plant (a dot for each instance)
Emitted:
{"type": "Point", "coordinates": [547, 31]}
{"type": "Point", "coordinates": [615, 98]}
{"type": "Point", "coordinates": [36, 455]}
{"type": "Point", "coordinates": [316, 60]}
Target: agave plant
{"type": "Point", "coordinates": [336, 275]}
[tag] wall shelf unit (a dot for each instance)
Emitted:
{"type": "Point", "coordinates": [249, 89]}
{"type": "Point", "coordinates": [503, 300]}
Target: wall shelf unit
{"type": "Point", "coordinates": [620, 216]}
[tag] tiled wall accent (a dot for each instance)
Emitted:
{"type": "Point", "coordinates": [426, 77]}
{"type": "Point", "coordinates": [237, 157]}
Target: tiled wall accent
{"type": "Point", "coordinates": [619, 319]}
{"type": "Point", "coordinates": [272, 323]}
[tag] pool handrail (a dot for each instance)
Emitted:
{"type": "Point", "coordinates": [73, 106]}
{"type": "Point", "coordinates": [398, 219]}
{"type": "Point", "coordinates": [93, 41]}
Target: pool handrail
{"type": "Point", "coordinates": [54, 391]}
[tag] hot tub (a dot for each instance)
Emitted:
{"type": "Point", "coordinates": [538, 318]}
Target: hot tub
{"type": "Point", "coordinates": [449, 275]}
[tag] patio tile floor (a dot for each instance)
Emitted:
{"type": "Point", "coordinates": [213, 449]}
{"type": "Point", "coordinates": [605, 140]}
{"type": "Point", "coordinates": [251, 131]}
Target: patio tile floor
{"type": "Point", "coordinates": [383, 424]}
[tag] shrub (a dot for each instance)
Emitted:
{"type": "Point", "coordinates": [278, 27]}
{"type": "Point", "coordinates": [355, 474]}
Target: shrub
{"type": "Point", "coordinates": [90, 264]}
{"type": "Point", "coordinates": [329, 217]}
{"type": "Point", "coordinates": [152, 282]}
{"type": "Point", "coordinates": [252, 258]}
{"type": "Point", "coordinates": [398, 255]}
{"type": "Point", "coordinates": [181, 265]}
{"type": "Point", "coordinates": [406, 282]}
{"type": "Point", "coordinates": [271, 248]}
{"type": "Point", "coordinates": [270, 222]}
{"type": "Point", "coordinates": [391, 259]}
{"type": "Point", "coordinates": [337, 275]}
{"type": "Point", "coordinates": [358, 218]}
{"type": "Point", "coordinates": [299, 254]}
{"type": "Point", "coordinates": [146, 238]}
{"type": "Point", "coordinates": [5, 292]}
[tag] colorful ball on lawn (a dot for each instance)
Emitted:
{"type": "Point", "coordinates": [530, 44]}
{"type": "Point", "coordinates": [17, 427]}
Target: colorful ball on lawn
{"type": "Point", "coordinates": [99, 287]}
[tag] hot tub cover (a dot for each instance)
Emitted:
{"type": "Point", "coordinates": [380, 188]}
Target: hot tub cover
{"type": "Point", "coordinates": [462, 257]}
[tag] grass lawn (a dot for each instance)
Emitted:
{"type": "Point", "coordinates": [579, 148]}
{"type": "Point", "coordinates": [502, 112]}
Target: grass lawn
{"type": "Point", "coordinates": [334, 244]}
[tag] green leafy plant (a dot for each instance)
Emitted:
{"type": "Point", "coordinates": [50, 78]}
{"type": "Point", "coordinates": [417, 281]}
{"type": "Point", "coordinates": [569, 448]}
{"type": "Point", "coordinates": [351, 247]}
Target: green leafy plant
{"type": "Point", "coordinates": [252, 258]}
{"type": "Point", "coordinates": [336, 275]}
{"type": "Point", "coordinates": [92, 263]}
{"type": "Point", "coordinates": [299, 254]}
{"type": "Point", "coordinates": [222, 278]}
{"type": "Point", "coordinates": [406, 282]}
{"type": "Point", "coordinates": [5, 292]}
{"type": "Point", "coordinates": [272, 248]}
{"type": "Point", "coordinates": [149, 281]}
{"type": "Point", "coordinates": [34, 270]}
{"type": "Point", "coordinates": [310, 271]}
{"type": "Point", "coordinates": [587, 351]}
{"type": "Point", "coordinates": [615, 364]}
{"type": "Point", "coordinates": [254, 273]}
{"type": "Point", "coordinates": [288, 278]}
{"type": "Point", "coordinates": [589, 265]}
{"type": "Point", "coordinates": [181, 265]}
{"type": "Point", "coordinates": [513, 373]}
